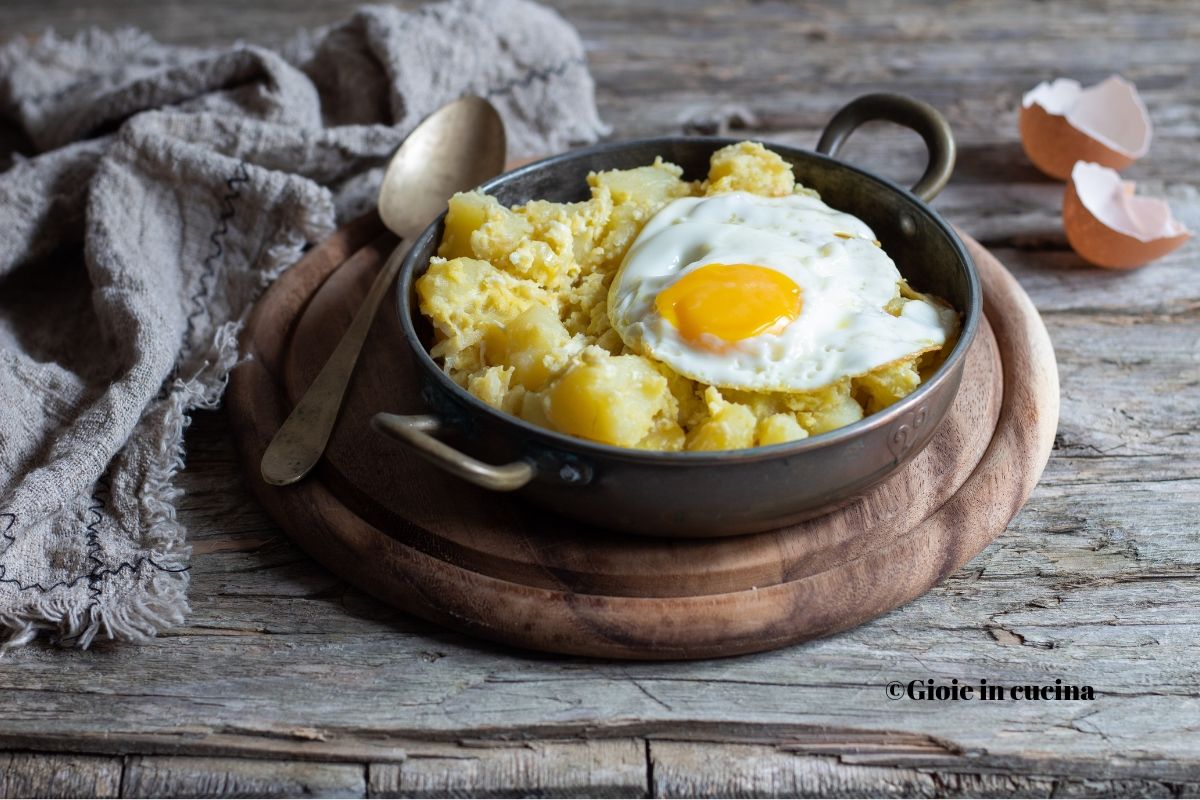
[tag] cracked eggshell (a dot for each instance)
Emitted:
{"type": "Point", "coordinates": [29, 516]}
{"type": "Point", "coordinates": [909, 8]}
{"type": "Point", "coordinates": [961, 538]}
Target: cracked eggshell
{"type": "Point", "coordinates": [1062, 123]}
{"type": "Point", "coordinates": [1109, 226]}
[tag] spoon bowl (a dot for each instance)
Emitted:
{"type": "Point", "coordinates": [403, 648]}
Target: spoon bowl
{"type": "Point", "coordinates": [456, 148]}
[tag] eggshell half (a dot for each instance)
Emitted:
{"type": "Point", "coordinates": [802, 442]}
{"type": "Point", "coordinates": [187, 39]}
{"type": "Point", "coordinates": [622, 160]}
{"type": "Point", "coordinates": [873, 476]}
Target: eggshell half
{"type": "Point", "coordinates": [1062, 123]}
{"type": "Point", "coordinates": [1109, 226]}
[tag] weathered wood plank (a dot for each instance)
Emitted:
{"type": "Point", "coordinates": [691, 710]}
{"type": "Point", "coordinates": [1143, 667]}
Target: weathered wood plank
{"type": "Point", "coordinates": [1096, 580]}
{"type": "Point", "coordinates": [1098, 568]}
{"type": "Point", "coordinates": [176, 776]}
{"type": "Point", "coordinates": [684, 769]}
{"type": "Point", "coordinates": [604, 768]}
{"type": "Point", "coordinates": [58, 775]}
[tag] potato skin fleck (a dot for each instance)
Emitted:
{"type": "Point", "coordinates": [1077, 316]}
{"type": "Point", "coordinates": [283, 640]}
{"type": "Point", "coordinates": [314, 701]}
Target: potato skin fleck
{"type": "Point", "coordinates": [518, 300]}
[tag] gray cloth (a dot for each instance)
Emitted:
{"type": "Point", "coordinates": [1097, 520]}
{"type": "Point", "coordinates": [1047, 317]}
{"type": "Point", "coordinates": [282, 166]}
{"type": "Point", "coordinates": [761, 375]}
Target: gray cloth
{"type": "Point", "coordinates": [160, 190]}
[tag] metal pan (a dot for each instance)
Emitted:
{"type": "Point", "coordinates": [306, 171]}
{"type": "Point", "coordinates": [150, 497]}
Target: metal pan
{"type": "Point", "coordinates": [716, 493]}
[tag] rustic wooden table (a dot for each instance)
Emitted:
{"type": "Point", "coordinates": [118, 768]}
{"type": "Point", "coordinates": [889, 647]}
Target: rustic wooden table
{"type": "Point", "coordinates": [286, 681]}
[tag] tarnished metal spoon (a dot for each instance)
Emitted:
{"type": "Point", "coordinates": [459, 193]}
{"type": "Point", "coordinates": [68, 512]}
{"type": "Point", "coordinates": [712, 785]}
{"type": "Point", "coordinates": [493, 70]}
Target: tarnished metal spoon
{"type": "Point", "coordinates": [456, 148]}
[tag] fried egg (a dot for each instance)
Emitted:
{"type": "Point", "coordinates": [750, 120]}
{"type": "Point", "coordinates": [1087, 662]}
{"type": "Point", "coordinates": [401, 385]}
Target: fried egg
{"type": "Point", "coordinates": [761, 293]}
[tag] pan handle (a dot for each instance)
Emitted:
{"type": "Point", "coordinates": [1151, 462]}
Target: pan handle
{"type": "Point", "coordinates": [911, 113]}
{"type": "Point", "coordinates": [416, 432]}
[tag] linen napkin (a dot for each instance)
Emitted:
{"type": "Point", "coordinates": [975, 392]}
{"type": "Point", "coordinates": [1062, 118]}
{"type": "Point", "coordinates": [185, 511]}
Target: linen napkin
{"type": "Point", "coordinates": [154, 193]}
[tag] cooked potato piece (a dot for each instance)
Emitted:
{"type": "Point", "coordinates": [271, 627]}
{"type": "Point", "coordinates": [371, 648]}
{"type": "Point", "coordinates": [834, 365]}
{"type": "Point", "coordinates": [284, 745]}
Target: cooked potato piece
{"type": "Point", "coordinates": [532, 408]}
{"type": "Point", "coordinates": [637, 195]}
{"type": "Point", "coordinates": [467, 294]}
{"type": "Point", "coordinates": [465, 214]}
{"type": "Point", "coordinates": [573, 229]}
{"type": "Point", "coordinates": [844, 413]}
{"type": "Point", "coordinates": [822, 409]}
{"type": "Point", "coordinates": [689, 397]}
{"type": "Point", "coordinates": [887, 384]}
{"type": "Point", "coordinates": [609, 399]}
{"type": "Point", "coordinates": [531, 344]}
{"type": "Point", "coordinates": [730, 426]}
{"type": "Point", "coordinates": [665, 435]}
{"type": "Point", "coordinates": [652, 186]}
{"type": "Point", "coordinates": [499, 238]}
{"type": "Point", "coordinates": [465, 299]}
{"type": "Point", "coordinates": [493, 386]}
{"type": "Point", "coordinates": [587, 306]}
{"type": "Point", "coordinates": [749, 167]}
{"type": "Point", "coordinates": [779, 428]}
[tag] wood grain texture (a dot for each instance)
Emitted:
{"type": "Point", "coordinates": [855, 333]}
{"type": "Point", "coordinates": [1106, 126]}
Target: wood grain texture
{"type": "Point", "coordinates": [605, 768]}
{"type": "Point", "coordinates": [59, 775]}
{"type": "Point", "coordinates": [486, 564]}
{"type": "Point", "coordinates": [161, 776]}
{"type": "Point", "coordinates": [690, 769]}
{"type": "Point", "coordinates": [1097, 579]}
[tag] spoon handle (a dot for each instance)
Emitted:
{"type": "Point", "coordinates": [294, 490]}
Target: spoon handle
{"type": "Point", "coordinates": [300, 441]}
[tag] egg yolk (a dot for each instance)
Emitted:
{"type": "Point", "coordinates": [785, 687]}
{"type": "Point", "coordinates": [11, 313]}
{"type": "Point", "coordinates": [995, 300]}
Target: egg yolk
{"type": "Point", "coordinates": [730, 302]}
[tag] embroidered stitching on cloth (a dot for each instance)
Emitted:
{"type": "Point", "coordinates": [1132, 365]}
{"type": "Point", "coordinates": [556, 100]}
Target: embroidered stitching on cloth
{"type": "Point", "coordinates": [161, 190]}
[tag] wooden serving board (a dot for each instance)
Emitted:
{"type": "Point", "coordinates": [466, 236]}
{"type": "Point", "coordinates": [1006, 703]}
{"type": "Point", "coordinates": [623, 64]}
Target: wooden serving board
{"type": "Point", "coordinates": [490, 565]}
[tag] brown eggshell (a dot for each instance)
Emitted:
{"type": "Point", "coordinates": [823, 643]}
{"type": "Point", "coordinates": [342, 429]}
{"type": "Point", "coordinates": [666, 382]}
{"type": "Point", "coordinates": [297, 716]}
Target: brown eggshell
{"type": "Point", "coordinates": [1101, 245]}
{"type": "Point", "coordinates": [1054, 145]}
{"type": "Point", "coordinates": [1063, 123]}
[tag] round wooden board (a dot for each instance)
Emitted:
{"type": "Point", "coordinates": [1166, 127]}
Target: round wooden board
{"type": "Point", "coordinates": [490, 565]}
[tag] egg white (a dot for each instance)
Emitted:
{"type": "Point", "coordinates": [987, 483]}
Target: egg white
{"type": "Point", "coordinates": [842, 329]}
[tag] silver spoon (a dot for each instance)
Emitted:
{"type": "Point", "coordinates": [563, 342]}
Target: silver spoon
{"type": "Point", "coordinates": [456, 148]}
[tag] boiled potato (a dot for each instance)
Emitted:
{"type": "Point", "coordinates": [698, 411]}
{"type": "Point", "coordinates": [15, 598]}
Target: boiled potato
{"type": "Point", "coordinates": [779, 428]}
{"type": "Point", "coordinates": [637, 195]}
{"type": "Point", "coordinates": [609, 399]}
{"type": "Point", "coordinates": [834, 407]}
{"type": "Point", "coordinates": [885, 385]}
{"type": "Point", "coordinates": [647, 187]}
{"type": "Point", "coordinates": [749, 167]}
{"type": "Point", "coordinates": [493, 386]}
{"type": "Point", "coordinates": [729, 426]}
{"type": "Point", "coordinates": [465, 296]}
{"type": "Point", "coordinates": [530, 345]}
{"type": "Point", "coordinates": [465, 214]}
